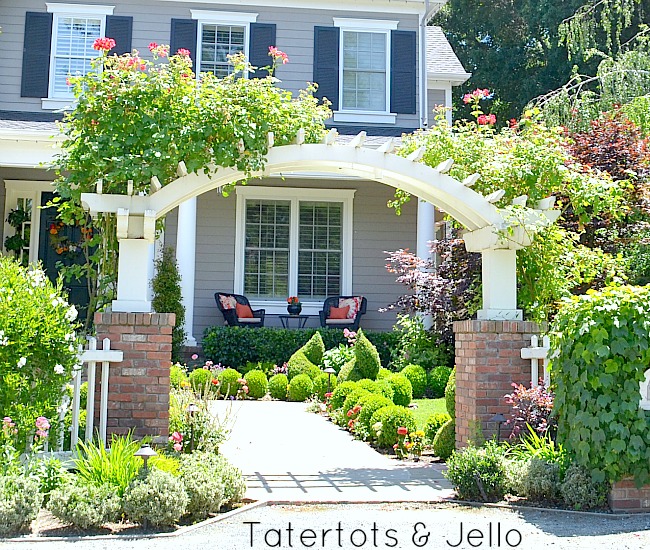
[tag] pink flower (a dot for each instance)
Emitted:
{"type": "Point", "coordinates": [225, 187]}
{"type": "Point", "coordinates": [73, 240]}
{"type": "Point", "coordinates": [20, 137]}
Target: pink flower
{"type": "Point", "coordinates": [486, 119]}
{"type": "Point", "coordinates": [42, 423]}
{"type": "Point", "coordinates": [152, 46]}
{"type": "Point", "coordinates": [328, 395]}
{"type": "Point", "coordinates": [245, 388]}
{"type": "Point", "coordinates": [194, 357]}
{"type": "Point", "coordinates": [40, 433]}
{"type": "Point", "coordinates": [402, 431]}
{"type": "Point", "coordinates": [178, 447]}
{"type": "Point", "coordinates": [7, 420]}
{"type": "Point", "coordinates": [183, 52]}
{"type": "Point", "coordinates": [176, 437]}
{"type": "Point", "coordinates": [278, 54]}
{"type": "Point", "coordinates": [104, 44]}
{"type": "Point", "coordinates": [241, 381]}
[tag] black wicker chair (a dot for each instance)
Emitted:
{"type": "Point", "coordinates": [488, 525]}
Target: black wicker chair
{"type": "Point", "coordinates": [230, 315]}
{"type": "Point", "coordinates": [351, 324]}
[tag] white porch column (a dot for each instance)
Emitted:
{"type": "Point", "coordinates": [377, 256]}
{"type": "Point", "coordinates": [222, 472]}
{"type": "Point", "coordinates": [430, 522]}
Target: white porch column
{"type": "Point", "coordinates": [135, 270]}
{"type": "Point", "coordinates": [186, 258]}
{"type": "Point", "coordinates": [426, 231]}
{"type": "Point", "coordinates": [499, 275]}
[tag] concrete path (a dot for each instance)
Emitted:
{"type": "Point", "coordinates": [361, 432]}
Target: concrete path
{"type": "Point", "coordinates": [290, 455]}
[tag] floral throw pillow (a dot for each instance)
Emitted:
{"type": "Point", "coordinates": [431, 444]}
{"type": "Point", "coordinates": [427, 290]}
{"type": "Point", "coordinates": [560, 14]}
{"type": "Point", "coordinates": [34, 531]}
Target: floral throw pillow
{"type": "Point", "coordinates": [227, 302]}
{"type": "Point", "coordinates": [353, 303]}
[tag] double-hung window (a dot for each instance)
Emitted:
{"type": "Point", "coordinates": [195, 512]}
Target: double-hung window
{"type": "Point", "coordinates": [221, 34]}
{"type": "Point", "coordinates": [364, 69]}
{"type": "Point", "coordinates": [75, 28]}
{"type": "Point", "coordinates": [293, 242]}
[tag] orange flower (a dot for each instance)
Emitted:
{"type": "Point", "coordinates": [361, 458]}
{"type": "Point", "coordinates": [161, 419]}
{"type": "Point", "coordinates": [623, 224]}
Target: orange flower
{"type": "Point", "coordinates": [402, 431]}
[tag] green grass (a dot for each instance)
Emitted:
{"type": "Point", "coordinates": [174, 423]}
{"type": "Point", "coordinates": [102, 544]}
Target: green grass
{"type": "Point", "coordinates": [427, 407]}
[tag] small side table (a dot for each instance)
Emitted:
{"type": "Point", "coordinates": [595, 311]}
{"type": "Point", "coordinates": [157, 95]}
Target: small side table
{"type": "Point", "coordinates": [302, 320]}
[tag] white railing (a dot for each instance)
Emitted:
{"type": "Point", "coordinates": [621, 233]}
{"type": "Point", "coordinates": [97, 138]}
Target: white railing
{"type": "Point", "coordinates": [88, 360]}
{"type": "Point", "coordinates": [537, 353]}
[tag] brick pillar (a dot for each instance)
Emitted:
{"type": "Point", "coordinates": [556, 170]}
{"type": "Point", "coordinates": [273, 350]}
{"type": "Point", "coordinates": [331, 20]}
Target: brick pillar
{"type": "Point", "coordinates": [625, 497]}
{"type": "Point", "coordinates": [488, 360]}
{"type": "Point", "coordinates": [138, 389]}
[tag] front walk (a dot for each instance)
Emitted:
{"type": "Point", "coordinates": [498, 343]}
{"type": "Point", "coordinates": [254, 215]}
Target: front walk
{"type": "Point", "coordinates": [290, 455]}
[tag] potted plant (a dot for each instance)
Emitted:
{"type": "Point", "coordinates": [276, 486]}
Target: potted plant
{"type": "Point", "coordinates": [294, 307]}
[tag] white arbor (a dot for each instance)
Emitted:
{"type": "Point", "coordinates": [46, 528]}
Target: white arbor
{"type": "Point", "coordinates": [493, 232]}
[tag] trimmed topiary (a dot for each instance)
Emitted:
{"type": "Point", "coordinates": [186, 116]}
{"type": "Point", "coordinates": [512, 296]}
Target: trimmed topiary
{"type": "Point", "coordinates": [314, 349]}
{"type": "Point", "coordinates": [433, 424]}
{"type": "Point", "coordinates": [300, 364]}
{"type": "Point", "coordinates": [385, 388]}
{"type": "Point", "coordinates": [402, 389]}
{"type": "Point", "coordinates": [437, 381]}
{"type": "Point", "coordinates": [257, 384]}
{"type": "Point", "coordinates": [417, 377]}
{"type": "Point", "coordinates": [367, 362]}
{"type": "Point", "coordinates": [353, 398]}
{"type": "Point", "coordinates": [157, 497]}
{"type": "Point", "coordinates": [478, 473]}
{"type": "Point", "coordinates": [322, 382]}
{"type": "Point", "coordinates": [580, 491]}
{"type": "Point", "coordinates": [368, 385]}
{"type": "Point", "coordinates": [450, 394]}
{"type": "Point", "coordinates": [20, 501]}
{"type": "Point", "coordinates": [228, 384]}
{"type": "Point", "coordinates": [300, 388]}
{"type": "Point", "coordinates": [444, 442]}
{"type": "Point", "coordinates": [177, 376]}
{"type": "Point", "coordinates": [85, 505]}
{"type": "Point", "coordinates": [201, 380]}
{"type": "Point", "coordinates": [349, 373]}
{"type": "Point", "coordinates": [383, 373]}
{"type": "Point", "coordinates": [278, 385]}
{"type": "Point", "coordinates": [370, 404]}
{"type": "Point", "coordinates": [340, 393]}
{"type": "Point", "coordinates": [391, 417]}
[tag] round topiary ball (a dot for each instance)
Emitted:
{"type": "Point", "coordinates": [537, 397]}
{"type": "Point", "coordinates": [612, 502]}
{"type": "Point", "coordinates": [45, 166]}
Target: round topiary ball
{"type": "Point", "coordinates": [228, 384]}
{"type": "Point", "coordinates": [383, 373]}
{"type": "Point", "coordinates": [402, 389]}
{"type": "Point", "coordinates": [257, 384]}
{"type": "Point", "coordinates": [321, 384]}
{"type": "Point", "coordinates": [353, 398]}
{"type": "Point", "coordinates": [370, 404]}
{"type": "Point", "coordinates": [201, 380]}
{"type": "Point", "coordinates": [437, 381]}
{"type": "Point", "coordinates": [433, 425]}
{"type": "Point", "coordinates": [450, 394]}
{"type": "Point", "coordinates": [384, 388]}
{"type": "Point", "coordinates": [444, 443]}
{"type": "Point", "coordinates": [340, 393]}
{"type": "Point", "coordinates": [278, 385]}
{"type": "Point", "coordinates": [417, 377]}
{"type": "Point", "coordinates": [300, 388]}
{"type": "Point", "coordinates": [391, 418]}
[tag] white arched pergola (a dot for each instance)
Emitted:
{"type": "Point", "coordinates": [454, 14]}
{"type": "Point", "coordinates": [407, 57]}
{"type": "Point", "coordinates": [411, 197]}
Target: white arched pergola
{"type": "Point", "coordinates": [488, 229]}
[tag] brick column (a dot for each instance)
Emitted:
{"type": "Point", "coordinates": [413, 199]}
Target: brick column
{"type": "Point", "coordinates": [625, 497]}
{"type": "Point", "coordinates": [138, 389]}
{"type": "Point", "coordinates": [488, 360]}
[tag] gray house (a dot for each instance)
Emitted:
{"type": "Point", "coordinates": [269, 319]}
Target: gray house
{"type": "Point", "coordinates": [304, 234]}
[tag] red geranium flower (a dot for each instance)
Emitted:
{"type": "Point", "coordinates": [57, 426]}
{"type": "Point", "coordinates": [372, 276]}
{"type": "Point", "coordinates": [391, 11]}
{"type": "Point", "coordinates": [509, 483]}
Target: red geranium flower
{"type": "Point", "coordinates": [104, 44]}
{"type": "Point", "coordinates": [402, 431]}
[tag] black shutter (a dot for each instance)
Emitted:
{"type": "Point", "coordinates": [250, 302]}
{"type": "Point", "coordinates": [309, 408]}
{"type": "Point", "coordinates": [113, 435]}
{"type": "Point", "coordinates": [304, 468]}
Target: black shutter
{"type": "Point", "coordinates": [262, 36]}
{"type": "Point", "coordinates": [403, 70]}
{"type": "Point", "coordinates": [36, 54]}
{"type": "Point", "coordinates": [120, 29]}
{"type": "Point", "coordinates": [326, 63]}
{"type": "Point", "coordinates": [184, 36]}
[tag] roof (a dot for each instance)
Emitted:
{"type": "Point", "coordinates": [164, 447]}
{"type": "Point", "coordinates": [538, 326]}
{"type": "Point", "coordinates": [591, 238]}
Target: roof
{"type": "Point", "coordinates": [441, 59]}
{"type": "Point", "coordinates": [30, 122]}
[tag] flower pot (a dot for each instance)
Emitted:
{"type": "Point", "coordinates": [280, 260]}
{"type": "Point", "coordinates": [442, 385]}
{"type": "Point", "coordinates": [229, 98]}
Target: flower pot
{"type": "Point", "coordinates": [294, 309]}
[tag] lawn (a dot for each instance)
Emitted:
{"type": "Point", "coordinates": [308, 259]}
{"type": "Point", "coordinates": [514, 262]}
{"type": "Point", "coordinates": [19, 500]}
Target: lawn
{"type": "Point", "coordinates": [427, 407]}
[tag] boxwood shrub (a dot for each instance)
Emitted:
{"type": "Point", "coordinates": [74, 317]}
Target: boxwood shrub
{"type": "Point", "coordinates": [402, 389]}
{"type": "Point", "coordinates": [478, 473]}
{"type": "Point", "coordinates": [437, 381]}
{"type": "Point", "coordinates": [444, 441]}
{"type": "Point", "coordinates": [321, 384]}
{"type": "Point", "coordinates": [201, 379]}
{"type": "Point", "coordinates": [228, 384]}
{"type": "Point", "coordinates": [391, 418]}
{"type": "Point", "coordinates": [278, 385]}
{"type": "Point", "coordinates": [353, 398]}
{"type": "Point", "coordinates": [370, 404]}
{"type": "Point", "coordinates": [300, 364]}
{"type": "Point", "coordinates": [257, 384]}
{"type": "Point", "coordinates": [417, 377]}
{"type": "Point", "coordinates": [300, 388]}
{"type": "Point", "coordinates": [340, 393]}
{"type": "Point", "coordinates": [433, 424]}
{"type": "Point", "coordinates": [236, 346]}
{"type": "Point", "coordinates": [450, 394]}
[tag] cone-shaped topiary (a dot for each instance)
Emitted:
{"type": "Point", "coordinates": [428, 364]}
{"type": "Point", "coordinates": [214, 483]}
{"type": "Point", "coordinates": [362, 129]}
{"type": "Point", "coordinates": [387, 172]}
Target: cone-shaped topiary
{"type": "Point", "coordinates": [445, 441]}
{"type": "Point", "coordinates": [300, 364]}
{"type": "Point", "coordinates": [417, 377]}
{"type": "Point", "coordinates": [348, 372]}
{"type": "Point", "coordinates": [367, 357]}
{"type": "Point", "coordinates": [450, 394]}
{"type": "Point", "coordinates": [314, 349]}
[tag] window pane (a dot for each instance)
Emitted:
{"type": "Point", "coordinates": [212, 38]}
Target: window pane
{"type": "Point", "coordinates": [364, 71]}
{"type": "Point", "coordinates": [266, 256]}
{"type": "Point", "coordinates": [219, 41]}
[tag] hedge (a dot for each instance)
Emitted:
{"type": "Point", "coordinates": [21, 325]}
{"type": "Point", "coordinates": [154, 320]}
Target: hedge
{"type": "Point", "coordinates": [235, 346]}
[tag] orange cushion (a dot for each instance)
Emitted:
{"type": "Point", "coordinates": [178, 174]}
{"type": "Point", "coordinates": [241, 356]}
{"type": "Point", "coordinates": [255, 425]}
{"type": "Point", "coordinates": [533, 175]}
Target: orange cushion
{"type": "Point", "coordinates": [244, 311]}
{"type": "Point", "coordinates": [339, 312]}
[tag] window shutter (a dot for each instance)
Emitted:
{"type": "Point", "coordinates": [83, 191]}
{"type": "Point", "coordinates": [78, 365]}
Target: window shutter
{"type": "Point", "coordinates": [326, 63]}
{"type": "Point", "coordinates": [120, 29]}
{"type": "Point", "coordinates": [403, 70]}
{"type": "Point", "coordinates": [262, 36]}
{"type": "Point", "coordinates": [36, 54]}
{"type": "Point", "coordinates": [184, 36]}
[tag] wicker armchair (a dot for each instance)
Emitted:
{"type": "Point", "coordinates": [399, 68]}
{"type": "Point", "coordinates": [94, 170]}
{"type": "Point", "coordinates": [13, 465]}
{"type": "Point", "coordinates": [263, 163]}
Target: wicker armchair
{"type": "Point", "coordinates": [350, 324]}
{"type": "Point", "coordinates": [230, 314]}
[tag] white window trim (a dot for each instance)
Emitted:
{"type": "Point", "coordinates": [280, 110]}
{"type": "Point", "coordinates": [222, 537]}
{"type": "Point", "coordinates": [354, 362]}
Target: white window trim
{"type": "Point", "coordinates": [295, 195]}
{"type": "Point", "coordinates": [66, 10]}
{"type": "Point", "coordinates": [233, 18]}
{"type": "Point", "coordinates": [20, 189]}
{"type": "Point", "coordinates": [365, 25]}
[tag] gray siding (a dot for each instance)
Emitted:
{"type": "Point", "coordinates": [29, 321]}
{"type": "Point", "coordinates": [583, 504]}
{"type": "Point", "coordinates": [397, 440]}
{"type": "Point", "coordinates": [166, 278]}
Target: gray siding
{"type": "Point", "coordinates": [152, 22]}
{"type": "Point", "coordinates": [376, 229]}
{"type": "Point", "coordinates": [434, 97]}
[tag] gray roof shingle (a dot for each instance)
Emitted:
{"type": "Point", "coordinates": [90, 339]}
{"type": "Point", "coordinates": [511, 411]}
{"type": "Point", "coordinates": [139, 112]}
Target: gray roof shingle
{"type": "Point", "coordinates": [441, 58]}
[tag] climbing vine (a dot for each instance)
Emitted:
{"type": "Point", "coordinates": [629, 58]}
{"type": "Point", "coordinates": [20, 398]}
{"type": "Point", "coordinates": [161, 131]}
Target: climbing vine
{"type": "Point", "coordinates": [136, 119]}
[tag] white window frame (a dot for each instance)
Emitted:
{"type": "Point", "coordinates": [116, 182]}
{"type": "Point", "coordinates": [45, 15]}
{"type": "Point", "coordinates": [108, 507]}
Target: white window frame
{"type": "Point", "coordinates": [232, 18]}
{"type": "Point", "coordinates": [374, 26]}
{"type": "Point", "coordinates": [23, 189]}
{"type": "Point", "coordinates": [295, 196]}
{"type": "Point", "coordinates": [69, 10]}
